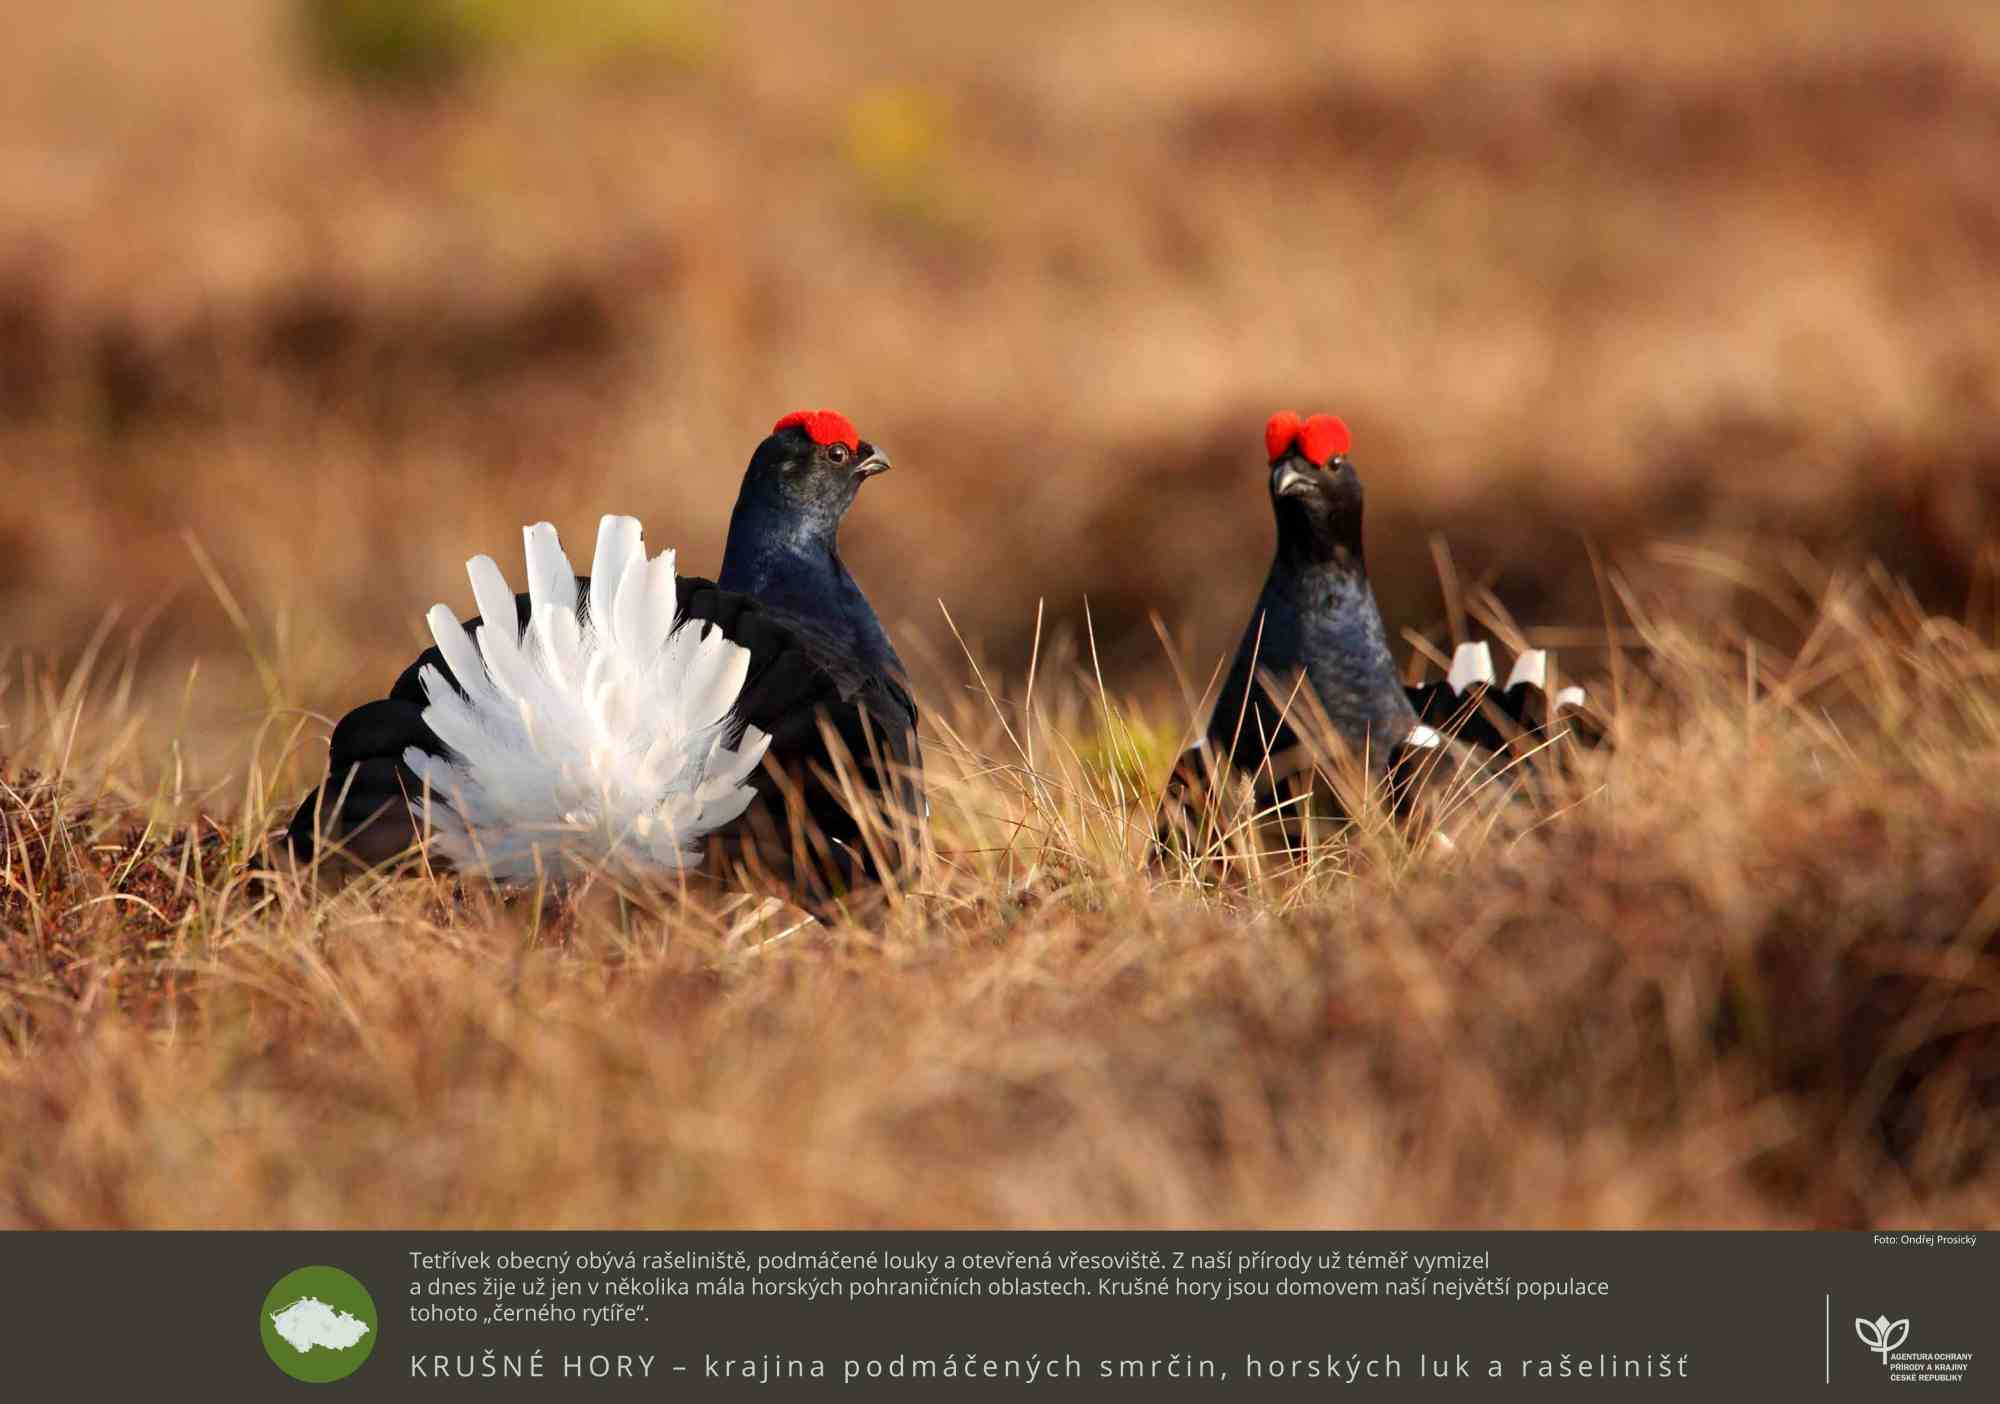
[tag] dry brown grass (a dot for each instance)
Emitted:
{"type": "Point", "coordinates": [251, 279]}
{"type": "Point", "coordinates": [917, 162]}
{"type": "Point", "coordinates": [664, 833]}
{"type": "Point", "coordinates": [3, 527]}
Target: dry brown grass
{"type": "Point", "coordinates": [1695, 297]}
{"type": "Point", "coordinates": [1751, 974]}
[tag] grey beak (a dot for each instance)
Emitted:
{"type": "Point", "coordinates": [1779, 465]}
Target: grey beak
{"type": "Point", "coordinates": [1290, 480]}
{"type": "Point", "coordinates": [875, 462]}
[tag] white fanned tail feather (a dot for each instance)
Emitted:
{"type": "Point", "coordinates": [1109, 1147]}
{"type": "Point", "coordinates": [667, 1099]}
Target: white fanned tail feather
{"type": "Point", "coordinates": [596, 737]}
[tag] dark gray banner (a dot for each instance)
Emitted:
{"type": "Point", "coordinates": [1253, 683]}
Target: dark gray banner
{"type": "Point", "coordinates": [933, 1315]}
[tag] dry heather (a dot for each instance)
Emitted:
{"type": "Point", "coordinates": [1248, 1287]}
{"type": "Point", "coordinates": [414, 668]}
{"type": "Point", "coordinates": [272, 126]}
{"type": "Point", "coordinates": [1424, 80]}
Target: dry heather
{"type": "Point", "coordinates": [1745, 970]}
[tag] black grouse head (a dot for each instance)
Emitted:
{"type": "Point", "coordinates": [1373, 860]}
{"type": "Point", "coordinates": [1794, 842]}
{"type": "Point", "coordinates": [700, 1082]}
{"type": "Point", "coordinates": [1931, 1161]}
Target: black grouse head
{"type": "Point", "coordinates": [807, 473]}
{"type": "Point", "coordinates": [1315, 492]}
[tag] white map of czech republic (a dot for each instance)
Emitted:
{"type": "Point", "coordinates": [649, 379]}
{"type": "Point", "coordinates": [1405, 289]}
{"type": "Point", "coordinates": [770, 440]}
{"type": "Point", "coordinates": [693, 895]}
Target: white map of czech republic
{"type": "Point", "coordinates": [310, 1322]}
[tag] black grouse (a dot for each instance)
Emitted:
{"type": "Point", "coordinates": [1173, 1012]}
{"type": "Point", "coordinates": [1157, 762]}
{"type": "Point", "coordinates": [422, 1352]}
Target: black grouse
{"type": "Point", "coordinates": [760, 723]}
{"type": "Point", "coordinates": [1316, 653]}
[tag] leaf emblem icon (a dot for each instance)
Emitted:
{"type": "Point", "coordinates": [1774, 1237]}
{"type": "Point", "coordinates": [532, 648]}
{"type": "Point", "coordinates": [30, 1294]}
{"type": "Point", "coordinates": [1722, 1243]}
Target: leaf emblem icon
{"type": "Point", "coordinates": [1882, 1335]}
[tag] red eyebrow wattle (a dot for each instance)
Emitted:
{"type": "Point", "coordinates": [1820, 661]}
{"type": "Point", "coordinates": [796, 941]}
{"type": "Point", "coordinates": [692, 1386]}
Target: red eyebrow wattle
{"type": "Point", "coordinates": [822, 427]}
{"type": "Point", "coordinates": [1279, 432]}
{"type": "Point", "coordinates": [1324, 438]}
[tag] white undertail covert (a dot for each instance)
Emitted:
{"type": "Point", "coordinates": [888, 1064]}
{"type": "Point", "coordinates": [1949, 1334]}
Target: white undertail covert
{"type": "Point", "coordinates": [596, 737]}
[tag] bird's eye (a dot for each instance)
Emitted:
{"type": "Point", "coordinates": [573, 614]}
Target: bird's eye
{"type": "Point", "coordinates": [836, 453]}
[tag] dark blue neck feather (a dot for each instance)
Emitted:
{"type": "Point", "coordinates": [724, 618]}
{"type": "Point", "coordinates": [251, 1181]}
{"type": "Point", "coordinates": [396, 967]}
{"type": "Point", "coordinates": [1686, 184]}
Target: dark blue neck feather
{"type": "Point", "coordinates": [1316, 617]}
{"type": "Point", "coordinates": [794, 567]}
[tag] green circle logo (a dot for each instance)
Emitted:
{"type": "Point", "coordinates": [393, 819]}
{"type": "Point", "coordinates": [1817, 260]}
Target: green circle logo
{"type": "Point", "coordinates": [318, 1324]}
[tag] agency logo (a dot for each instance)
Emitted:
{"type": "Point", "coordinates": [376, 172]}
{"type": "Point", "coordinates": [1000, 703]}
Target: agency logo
{"type": "Point", "coordinates": [1882, 1335]}
{"type": "Point", "coordinates": [318, 1324]}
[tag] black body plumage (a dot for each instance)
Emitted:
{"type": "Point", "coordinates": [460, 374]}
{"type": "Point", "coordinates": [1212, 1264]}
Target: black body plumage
{"type": "Point", "coordinates": [1316, 624]}
{"type": "Point", "coordinates": [1317, 618]}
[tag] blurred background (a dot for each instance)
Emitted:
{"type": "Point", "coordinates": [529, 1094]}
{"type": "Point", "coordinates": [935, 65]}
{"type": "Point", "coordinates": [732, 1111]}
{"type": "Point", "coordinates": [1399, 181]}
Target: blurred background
{"type": "Point", "coordinates": [302, 302]}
